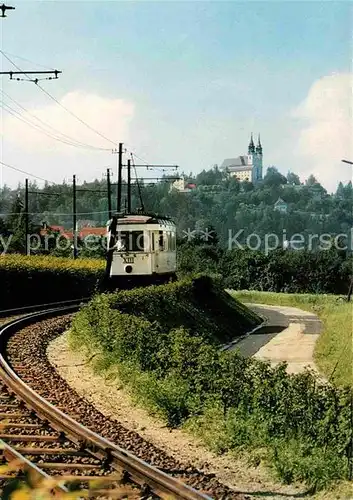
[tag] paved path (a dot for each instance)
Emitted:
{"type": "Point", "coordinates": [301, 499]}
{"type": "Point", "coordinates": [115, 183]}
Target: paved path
{"type": "Point", "coordinates": [289, 335]}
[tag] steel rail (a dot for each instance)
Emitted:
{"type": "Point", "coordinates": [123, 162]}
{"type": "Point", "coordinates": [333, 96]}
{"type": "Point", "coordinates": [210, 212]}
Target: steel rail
{"type": "Point", "coordinates": [138, 470]}
{"type": "Point", "coordinates": [25, 465]}
{"type": "Point", "coordinates": [39, 307]}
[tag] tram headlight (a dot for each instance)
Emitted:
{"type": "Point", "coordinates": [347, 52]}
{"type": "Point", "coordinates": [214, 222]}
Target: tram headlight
{"type": "Point", "coordinates": [128, 269]}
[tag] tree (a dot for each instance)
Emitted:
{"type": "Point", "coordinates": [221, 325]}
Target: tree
{"type": "Point", "coordinates": [16, 224]}
{"type": "Point", "coordinates": [210, 177]}
{"type": "Point", "coordinates": [232, 184]}
{"type": "Point", "coordinates": [293, 179]}
{"type": "Point", "coordinates": [247, 186]}
{"type": "Point", "coordinates": [274, 178]}
{"type": "Point", "coordinates": [311, 180]}
{"type": "Point", "coordinates": [340, 191]}
{"type": "Point", "coordinates": [3, 226]}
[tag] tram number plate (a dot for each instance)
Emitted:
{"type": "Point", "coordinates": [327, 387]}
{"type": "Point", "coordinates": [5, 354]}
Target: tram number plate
{"type": "Point", "coordinates": [128, 260]}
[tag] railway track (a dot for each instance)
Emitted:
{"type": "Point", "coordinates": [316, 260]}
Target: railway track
{"type": "Point", "coordinates": [49, 440]}
{"type": "Point", "coordinates": [44, 439]}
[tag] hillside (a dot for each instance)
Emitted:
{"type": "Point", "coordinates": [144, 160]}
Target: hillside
{"type": "Point", "coordinates": [217, 203]}
{"type": "Point", "coordinates": [198, 305]}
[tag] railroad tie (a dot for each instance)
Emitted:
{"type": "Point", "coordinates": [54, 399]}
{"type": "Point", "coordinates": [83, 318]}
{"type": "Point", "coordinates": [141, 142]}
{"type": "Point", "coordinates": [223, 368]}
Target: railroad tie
{"type": "Point", "coordinates": [50, 451]}
{"type": "Point", "coordinates": [26, 437]}
{"type": "Point", "coordinates": [67, 465]}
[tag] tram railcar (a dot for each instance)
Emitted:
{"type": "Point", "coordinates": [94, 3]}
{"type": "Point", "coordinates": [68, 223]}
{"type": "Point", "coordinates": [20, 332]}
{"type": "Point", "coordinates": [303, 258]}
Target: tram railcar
{"type": "Point", "coordinates": [142, 250]}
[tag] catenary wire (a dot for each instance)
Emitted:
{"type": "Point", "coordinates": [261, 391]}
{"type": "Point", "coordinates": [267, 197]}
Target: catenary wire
{"type": "Point", "coordinates": [58, 102]}
{"type": "Point", "coordinates": [25, 172]}
{"type": "Point", "coordinates": [27, 60]}
{"type": "Point", "coordinates": [71, 141]}
{"type": "Point", "coordinates": [67, 110]}
{"type": "Point", "coordinates": [21, 118]}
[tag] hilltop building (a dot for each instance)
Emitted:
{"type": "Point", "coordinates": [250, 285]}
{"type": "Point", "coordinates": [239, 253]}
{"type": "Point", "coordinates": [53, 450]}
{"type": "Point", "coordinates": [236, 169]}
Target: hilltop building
{"type": "Point", "coordinates": [182, 186]}
{"type": "Point", "coordinates": [246, 167]}
{"type": "Point", "coordinates": [280, 206]}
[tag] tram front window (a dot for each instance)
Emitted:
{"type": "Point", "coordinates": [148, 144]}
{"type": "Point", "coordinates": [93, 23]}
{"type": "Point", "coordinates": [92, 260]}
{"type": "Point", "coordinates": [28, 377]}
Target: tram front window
{"type": "Point", "coordinates": [130, 241]}
{"type": "Point", "coordinates": [121, 242]}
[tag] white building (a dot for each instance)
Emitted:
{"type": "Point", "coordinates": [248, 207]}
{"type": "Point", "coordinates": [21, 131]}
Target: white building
{"type": "Point", "coordinates": [280, 206]}
{"type": "Point", "coordinates": [246, 167]}
{"type": "Point", "coordinates": [182, 186]}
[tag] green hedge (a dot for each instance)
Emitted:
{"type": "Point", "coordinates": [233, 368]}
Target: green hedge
{"type": "Point", "coordinates": [280, 271]}
{"type": "Point", "coordinates": [198, 304]}
{"type": "Point", "coordinates": [26, 281]}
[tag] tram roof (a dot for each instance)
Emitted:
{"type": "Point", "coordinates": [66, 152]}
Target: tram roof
{"type": "Point", "coordinates": [143, 219]}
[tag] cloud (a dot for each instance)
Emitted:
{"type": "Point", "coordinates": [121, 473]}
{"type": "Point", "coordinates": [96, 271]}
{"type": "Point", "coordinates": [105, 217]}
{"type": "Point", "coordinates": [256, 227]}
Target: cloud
{"type": "Point", "coordinates": [111, 117]}
{"type": "Point", "coordinates": [326, 134]}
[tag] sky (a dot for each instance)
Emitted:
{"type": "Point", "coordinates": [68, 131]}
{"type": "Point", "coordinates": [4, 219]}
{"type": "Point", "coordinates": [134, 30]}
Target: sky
{"type": "Point", "coordinates": [178, 82]}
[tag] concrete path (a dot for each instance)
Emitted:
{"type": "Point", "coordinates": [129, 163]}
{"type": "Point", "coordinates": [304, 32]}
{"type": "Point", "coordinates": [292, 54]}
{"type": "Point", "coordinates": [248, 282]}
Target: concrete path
{"type": "Point", "coordinates": [289, 335]}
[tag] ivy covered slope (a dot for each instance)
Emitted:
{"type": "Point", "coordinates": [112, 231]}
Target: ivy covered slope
{"type": "Point", "coordinates": [35, 280]}
{"type": "Point", "coordinates": [163, 345]}
{"type": "Point", "coordinates": [199, 305]}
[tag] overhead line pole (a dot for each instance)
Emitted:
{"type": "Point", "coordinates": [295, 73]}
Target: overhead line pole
{"type": "Point", "coordinates": [129, 186]}
{"type": "Point", "coordinates": [26, 217]}
{"type": "Point", "coordinates": [120, 170]}
{"type": "Point", "coordinates": [109, 194]}
{"type": "Point", "coordinates": [74, 222]}
{"type": "Point", "coordinates": [54, 72]}
{"type": "Point", "coordinates": [11, 73]}
{"type": "Point", "coordinates": [350, 291]}
{"type": "Point", "coordinates": [4, 8]}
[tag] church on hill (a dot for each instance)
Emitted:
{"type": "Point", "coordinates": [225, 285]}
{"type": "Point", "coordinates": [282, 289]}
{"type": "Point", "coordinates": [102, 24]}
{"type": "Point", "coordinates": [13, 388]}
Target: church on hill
{"type": "Point", "coordinates": [246, 167]}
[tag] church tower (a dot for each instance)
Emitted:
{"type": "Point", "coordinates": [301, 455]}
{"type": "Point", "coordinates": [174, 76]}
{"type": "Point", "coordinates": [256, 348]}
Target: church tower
{"type": "Point", "coordinates": [254, 158]}
{"type": "Point", "coordinates": [251, 147]}
{"type": "Point", "coordinates": [246, 167]}
{"type": "Point", "coordinates": [250, 159]}
{"type": "Point", "coordinates": [257, 164]}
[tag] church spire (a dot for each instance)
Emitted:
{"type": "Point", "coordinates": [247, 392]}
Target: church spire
{"type": "Point", "coordinates": [251, 148]}
{"type": "Point", "coordinates": [259, 147]}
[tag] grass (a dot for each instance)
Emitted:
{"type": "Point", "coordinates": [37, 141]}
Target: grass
{"type": "Point", "coordinates": [172, 366]}
{"type": "Point", "coordinates": [334, 348]}
{"type": "Point", "coordinates": [340, 491]}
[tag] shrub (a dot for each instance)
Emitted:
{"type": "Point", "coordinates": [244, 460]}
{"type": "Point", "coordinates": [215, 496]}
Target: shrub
{"type": "Point", "coordinates": [165, 343]}
{"type": "Point", "coordinates": [35, 280]}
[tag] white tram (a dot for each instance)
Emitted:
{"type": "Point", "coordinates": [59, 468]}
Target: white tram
{"type": "Point", "coordinates": [142, 248]}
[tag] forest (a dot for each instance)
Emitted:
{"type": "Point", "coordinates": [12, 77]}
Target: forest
{"type": "Point", "coordinates": [223, 226]}
{"type": "Point", "coordinates": [219, 205]}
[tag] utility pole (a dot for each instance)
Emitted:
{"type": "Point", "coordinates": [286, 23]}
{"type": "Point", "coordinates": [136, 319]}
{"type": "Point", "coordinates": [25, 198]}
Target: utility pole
{"type": "Point", "coordinates": [26, 217]}
{"type": "Point", "coordinates": [109, 194]}
{"type": "Point", "coordinates": [55, 72]}
{"type": "Point", "coordinates": [4, 8]}
{"type": "Point", "coordinates": [350, 289]}
{"type": "Point", "coordinates": [74, 222]}
{"type": "Point", "coordinates": [129, 186]}
{"type": "Point", "coordinates": [120, 170]}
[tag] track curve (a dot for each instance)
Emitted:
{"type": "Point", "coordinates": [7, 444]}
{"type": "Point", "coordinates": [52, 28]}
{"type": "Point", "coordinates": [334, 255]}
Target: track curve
{"type": "Point", "coordinates": [91, 451]}
{"type": "Point", "coordinates": [29, 381]}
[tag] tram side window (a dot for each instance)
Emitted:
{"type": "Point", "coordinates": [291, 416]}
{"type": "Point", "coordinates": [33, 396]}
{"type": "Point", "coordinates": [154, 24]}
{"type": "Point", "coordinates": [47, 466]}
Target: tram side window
{"type": "Point", "coordinates": [172, 237]}
{"type": "Point", "coordinates": [161, 241]}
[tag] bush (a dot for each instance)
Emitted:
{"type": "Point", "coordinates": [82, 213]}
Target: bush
{"type": "Point", "coordinates": [165, 343]}
{"type": "Point", "coordinates": [304, 271]}
{"type": "Point", "coordinates": [35, 280]}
